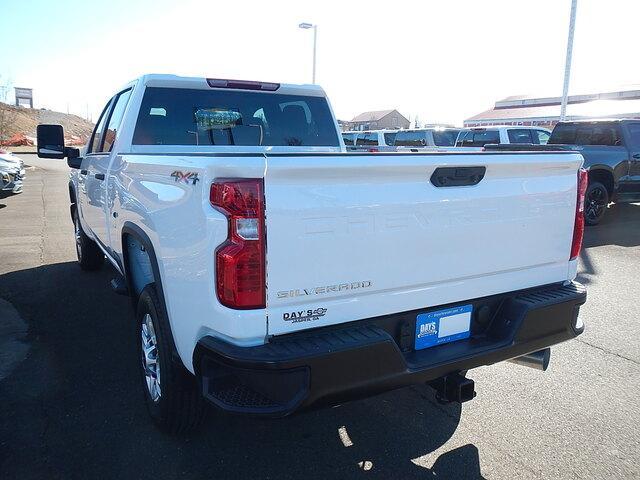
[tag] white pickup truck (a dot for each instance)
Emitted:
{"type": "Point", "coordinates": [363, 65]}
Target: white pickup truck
{"type": "Point", "coordinates": [272, 271]}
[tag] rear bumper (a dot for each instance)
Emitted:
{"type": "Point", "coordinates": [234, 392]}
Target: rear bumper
{"type": "Point", "coordinates": [334, 364]}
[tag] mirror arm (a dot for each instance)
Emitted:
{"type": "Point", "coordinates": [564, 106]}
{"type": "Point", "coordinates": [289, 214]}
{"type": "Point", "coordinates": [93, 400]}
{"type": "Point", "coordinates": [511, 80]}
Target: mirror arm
{"type": "Point", "coordinates": [71, 152]}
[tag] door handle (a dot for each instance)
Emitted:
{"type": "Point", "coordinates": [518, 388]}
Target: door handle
{"type": "Point", "coordinates": [457, 176]}
{"type": "Point", "coordinates": [83, 172]}
{"type": "Point", "coordinates": [636, 156]}
{"type": "Point", "coordinates": [99, 176]}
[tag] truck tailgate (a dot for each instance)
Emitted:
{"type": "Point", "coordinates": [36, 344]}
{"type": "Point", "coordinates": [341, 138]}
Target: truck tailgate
{"type": "Point", "coordinates": [353, 236]}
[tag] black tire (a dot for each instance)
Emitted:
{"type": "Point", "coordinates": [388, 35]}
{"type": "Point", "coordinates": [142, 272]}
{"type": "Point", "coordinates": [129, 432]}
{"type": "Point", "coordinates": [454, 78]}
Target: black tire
{"type": "Point", "coordinates": [178, 406]}
{"type": "Point", "coordinates": [596, 200]}
{"type": "Point", "coordinates": [90, 257]}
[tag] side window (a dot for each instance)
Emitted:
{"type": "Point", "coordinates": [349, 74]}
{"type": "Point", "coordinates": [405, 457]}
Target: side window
{"type": "Point", "coordinates": [478, 138]}
{"type": "Point", "coordinates": [463, 137]}
{"type": "Point", "coordinates": [389, 138]}
{"type": "Point", "coordinates": [114, 121]}
{"type": "Point", "coordinates": [367, 139]}
{"type": "Point", "coordinates": [411, 138]}
{"type": "Point", "coordinates": [541, 137]}
{"type": "Point", "coordinates": [96, 138]}
{"type": "Point", "coordinates": [349, 139]}
{"type": "Point", "coordinates": [634, 135]}
{"type": "Point", "coordinates": [519, 135]}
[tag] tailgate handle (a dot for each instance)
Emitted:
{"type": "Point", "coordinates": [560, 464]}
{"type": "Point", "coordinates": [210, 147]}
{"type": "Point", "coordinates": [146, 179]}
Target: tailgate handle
{"type": "Point", "coordinates": [457, 176]}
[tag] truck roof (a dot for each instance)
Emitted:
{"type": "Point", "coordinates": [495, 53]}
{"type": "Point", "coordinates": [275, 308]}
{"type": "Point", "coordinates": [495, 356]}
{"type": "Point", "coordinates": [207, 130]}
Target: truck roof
{"type": "Point", "coordinates": [205, 83]}
{"type": "Point", "coordinates": [499, 127]}
{"type": "Point", "coordinates": [601, 120]}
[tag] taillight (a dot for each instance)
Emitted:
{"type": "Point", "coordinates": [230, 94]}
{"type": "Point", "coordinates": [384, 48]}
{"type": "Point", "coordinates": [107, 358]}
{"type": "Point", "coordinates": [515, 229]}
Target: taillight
{"type": "Point", "coordinates": [578, 227]}
{"type": "Point", "coordinates": [242, 84]}
{"type": "Point", "coordinates": [240, 260]}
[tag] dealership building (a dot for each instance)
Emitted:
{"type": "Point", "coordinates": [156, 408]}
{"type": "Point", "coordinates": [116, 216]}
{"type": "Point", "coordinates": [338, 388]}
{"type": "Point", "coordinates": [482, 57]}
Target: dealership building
{"type": "Point", "coordinates": [545, 111]}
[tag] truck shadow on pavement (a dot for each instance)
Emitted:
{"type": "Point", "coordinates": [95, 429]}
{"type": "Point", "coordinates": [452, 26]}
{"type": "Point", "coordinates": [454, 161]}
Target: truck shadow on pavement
{"type": "Point", "coordinates": [74, 408]}
{"type": "Point", "coordinates": [620, 226]}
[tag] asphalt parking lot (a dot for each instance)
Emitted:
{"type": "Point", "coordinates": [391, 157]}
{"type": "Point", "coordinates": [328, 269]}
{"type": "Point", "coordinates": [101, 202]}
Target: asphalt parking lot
{"type": "Point", "coordinates": [71, 404]}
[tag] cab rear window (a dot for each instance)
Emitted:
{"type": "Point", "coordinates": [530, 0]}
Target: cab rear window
{"type": "Point", "coordinates": [177, 116]}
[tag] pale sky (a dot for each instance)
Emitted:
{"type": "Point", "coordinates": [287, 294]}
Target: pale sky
{"type": "Point", "coordinates": [441, 60]}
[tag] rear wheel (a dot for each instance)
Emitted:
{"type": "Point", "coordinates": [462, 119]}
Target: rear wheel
{"type": "Point", "coordinates": [596, 200]}
{"type": "Point", "coordinates": [171, 392]}
{"type": "Point", "coordinates": [90, 257]}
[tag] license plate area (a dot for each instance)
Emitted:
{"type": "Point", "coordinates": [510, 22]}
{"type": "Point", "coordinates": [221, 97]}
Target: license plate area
{"type": "Point", "coordinates": [443, 326]}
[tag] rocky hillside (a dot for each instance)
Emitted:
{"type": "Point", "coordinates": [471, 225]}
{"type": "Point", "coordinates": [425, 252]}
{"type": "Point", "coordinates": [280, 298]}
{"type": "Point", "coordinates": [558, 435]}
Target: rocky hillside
{"type": "Point", "coordinates": [17, 122]}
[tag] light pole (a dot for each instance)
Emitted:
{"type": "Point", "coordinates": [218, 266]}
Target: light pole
{"type": "Point", "coordinates": [567, 62]}
{"type": "Point", "coordinates": [306, 26]}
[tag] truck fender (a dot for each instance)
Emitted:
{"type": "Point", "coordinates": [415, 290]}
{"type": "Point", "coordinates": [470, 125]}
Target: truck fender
{"type": "Point", "coordinates": [72, 199]}
{"type": "Point", "coordinates": [130, 232]}
{"type": "Point", "coordinates": [138, 279]}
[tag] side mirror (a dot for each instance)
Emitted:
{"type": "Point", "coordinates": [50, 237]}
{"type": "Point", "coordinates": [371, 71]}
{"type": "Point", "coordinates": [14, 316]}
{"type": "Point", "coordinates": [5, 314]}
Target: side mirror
{"type": "Point", "coordinates": [51, 145]}
{"type": "Point", "coordinates": [50, 141]}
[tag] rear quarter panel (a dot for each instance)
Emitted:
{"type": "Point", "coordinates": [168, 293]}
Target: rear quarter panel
{"type": "Point", "coordinates": [612, 159]}
{"type": "Point", "coordinates": [185, 231]}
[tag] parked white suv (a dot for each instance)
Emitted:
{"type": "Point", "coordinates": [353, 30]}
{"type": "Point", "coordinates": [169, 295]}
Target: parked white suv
{"type": "Point", "coordinates": [370, 140]}
{"type": "Point", "coordinates": [481, 136]}
{"type": "Point", "coordinates": [425, 138]}
{"type": "Point", "coordinates": [270, 271]}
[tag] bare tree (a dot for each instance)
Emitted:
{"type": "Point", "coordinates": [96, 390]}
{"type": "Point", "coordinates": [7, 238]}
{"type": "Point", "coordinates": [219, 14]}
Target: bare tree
{"type": "Point", "coordinates": [7, 115]}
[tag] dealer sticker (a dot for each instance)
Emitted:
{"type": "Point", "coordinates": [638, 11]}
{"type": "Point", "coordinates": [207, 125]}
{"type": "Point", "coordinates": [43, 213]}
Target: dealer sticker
{"type": "Point", "coordinates": [443, 326]}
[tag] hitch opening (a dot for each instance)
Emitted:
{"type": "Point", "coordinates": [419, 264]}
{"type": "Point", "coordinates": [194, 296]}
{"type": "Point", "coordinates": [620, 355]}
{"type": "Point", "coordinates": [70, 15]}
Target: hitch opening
{"type": "Point", "coordinates": [454, 388]}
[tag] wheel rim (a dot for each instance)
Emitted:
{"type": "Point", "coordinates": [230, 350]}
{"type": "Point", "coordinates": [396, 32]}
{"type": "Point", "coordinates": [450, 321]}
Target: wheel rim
{"type": "Point", "coordinates": [78, 235]}
{"type": "Point", "coordinates": [595, 203]}
{"type": "Point", "coordinates": [150, 363]}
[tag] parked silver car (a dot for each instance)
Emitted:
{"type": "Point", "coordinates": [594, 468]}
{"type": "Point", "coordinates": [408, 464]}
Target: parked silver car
{"type": "Point", "coordinates": [11, 172]}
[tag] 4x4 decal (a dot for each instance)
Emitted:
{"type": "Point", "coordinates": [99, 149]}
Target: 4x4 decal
{"type": "Point", "coordinates": [185, 177]}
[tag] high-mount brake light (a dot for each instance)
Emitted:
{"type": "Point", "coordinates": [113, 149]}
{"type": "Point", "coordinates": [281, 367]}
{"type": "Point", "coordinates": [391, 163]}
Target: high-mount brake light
{"type": "Point", "coordinates": [578, 227]}
{"type": "Point", "coordinates": [240, 260]}
{"type": "Point", "coordinates": [242, 84]}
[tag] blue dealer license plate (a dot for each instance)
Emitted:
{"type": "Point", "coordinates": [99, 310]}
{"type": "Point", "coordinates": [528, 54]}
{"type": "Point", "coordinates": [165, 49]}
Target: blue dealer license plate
{"type": "Point", "coordinates": [443, 326]}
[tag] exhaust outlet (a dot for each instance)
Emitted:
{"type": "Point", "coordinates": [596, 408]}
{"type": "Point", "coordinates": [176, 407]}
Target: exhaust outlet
{"type": "Point", "coordinates": [538, 360]}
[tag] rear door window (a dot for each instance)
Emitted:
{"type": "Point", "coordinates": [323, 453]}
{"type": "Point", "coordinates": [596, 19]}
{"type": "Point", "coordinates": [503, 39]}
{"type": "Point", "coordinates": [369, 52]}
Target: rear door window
{"type": "Point", "coordinates": [96, 138]}
{"type": "Point", "coordinates": [180, 116]}
{"type": "Point", "coordinates": [114, 121]}
{"type": "Point", "coordinates": [540, 137]}
{"type": "Point", "coordinates": [367, 139]}
{"type": "Point", "coordinates": [519, 135]}
{"type": "Point", "coordinates": [634, 135]}
{"type": "Point", "coordinates": [445, 138]}
{"type": "Point", "coordinates": [478, 138]}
